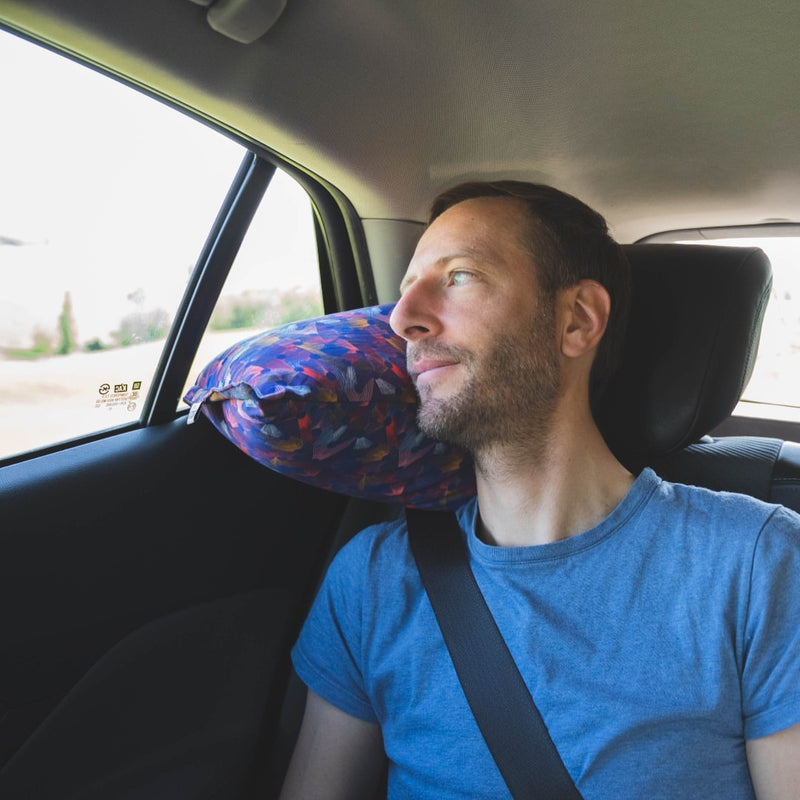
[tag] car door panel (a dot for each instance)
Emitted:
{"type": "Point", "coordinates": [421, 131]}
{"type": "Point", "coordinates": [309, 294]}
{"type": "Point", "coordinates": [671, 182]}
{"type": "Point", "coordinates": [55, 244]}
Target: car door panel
{"type": "Point", "coordinates": [148, 622]}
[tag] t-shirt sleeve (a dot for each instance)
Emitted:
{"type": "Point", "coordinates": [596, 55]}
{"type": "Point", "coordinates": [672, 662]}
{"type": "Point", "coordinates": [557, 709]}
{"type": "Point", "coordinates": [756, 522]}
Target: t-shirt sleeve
{"type": "Point", "coordinates": [771, 646]}
{"type": "Point", "coordinates": [328, 653]}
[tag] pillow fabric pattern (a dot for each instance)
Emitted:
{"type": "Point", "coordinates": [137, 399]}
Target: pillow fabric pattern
{"type": "Point", "coordinates": [328, 401]}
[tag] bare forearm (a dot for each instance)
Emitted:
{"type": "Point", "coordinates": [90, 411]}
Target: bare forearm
{"type": "Point", "coordinates": [337, 757]}
{"type": "Point", "coordinates": [775, 765]}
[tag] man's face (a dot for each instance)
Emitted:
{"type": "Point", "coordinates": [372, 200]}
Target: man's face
{"type": "Point", "coordinates": [481, 340]}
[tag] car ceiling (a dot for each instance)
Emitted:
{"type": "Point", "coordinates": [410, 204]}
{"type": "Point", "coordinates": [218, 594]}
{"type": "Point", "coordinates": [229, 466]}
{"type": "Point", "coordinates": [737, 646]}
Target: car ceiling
{"type": "Point", "coordinates": [663, 115]}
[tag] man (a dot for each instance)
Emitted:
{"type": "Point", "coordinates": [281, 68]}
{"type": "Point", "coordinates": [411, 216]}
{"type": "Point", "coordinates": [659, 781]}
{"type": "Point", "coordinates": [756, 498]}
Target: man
{"type": "Point", "coordinates": [656, 625]}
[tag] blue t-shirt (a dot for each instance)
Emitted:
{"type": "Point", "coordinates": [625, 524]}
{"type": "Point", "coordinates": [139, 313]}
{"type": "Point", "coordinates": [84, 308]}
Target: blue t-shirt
{"type": "Point", "coordinates": [654, 644]}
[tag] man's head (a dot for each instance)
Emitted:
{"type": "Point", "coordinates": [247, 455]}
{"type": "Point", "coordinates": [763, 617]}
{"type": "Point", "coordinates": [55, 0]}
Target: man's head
{"type": "Point", "coordinates": [479, 310]}
{"type": "Point", "coordinates": [568, 242]}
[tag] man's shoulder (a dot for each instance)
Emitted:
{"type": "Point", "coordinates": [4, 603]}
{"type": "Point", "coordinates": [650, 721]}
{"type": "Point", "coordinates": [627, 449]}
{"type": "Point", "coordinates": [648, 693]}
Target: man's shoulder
{"type": "Point", "coordinates": [388, 533]}
{"type": "Point", "coordinates": [381, 544]}
{"type": "Point", "coordinates": [703, 495]}
{"type": "Point", "coordinates": [729, 510]}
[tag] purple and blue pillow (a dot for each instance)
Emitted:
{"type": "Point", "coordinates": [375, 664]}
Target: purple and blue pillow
{"type": "Point", "coordinates": [328, 401]}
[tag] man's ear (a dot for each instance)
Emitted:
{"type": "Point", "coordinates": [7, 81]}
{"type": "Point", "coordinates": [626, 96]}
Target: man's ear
{"type": "Point", "coordinates": [586, 307]}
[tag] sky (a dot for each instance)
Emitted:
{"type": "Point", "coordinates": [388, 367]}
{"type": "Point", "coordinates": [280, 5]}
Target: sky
{"type": "Point", "coordinates": [118, 209]}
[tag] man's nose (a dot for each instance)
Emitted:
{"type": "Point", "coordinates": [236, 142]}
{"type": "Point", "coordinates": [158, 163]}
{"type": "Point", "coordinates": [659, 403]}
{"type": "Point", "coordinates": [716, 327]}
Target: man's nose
{"type": "Point", "coordinates": [416, 315]}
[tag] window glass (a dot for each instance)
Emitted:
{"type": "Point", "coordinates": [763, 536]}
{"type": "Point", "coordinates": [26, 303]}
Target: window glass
{"type": "Point", "coordinates": [106, 200]}
{"type": "Point", "coordinates": [774, 388]}
{"type": "Point", "coordinates": [275, 277]}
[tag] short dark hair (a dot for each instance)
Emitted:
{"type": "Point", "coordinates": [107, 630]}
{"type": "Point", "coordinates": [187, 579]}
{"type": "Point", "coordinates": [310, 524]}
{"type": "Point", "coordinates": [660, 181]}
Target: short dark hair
{"type": "Point", "coordinates": [569, 241]}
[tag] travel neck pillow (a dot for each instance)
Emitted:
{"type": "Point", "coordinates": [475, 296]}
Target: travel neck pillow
{"type": "Point", "coordinates": [328, 401]}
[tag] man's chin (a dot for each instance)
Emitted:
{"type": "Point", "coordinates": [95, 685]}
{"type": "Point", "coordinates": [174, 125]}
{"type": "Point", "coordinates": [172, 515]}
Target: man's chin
{"type": "Point", "coordinates": [439, 421]}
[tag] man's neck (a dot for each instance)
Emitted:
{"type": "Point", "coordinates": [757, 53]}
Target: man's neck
{"type": "Point", "coordinates": [562, 488]}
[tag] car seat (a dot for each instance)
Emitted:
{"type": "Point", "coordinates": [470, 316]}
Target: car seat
{"type": "Point", "coordinates": [689, 352]}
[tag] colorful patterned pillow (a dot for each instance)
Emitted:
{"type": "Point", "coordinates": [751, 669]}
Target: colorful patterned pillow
{"type": "Point", "coordinates": [328, 401]}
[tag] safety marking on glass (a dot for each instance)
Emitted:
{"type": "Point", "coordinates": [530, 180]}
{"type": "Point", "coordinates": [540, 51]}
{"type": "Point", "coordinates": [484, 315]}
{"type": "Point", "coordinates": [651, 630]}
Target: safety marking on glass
{"type": "Point", "coordinates": [116, 396]}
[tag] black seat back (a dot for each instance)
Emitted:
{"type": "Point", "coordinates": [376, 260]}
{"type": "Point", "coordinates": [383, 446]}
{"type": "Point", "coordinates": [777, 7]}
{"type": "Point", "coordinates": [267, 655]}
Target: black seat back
{"type": "Point", "coordinates": [690, 349]}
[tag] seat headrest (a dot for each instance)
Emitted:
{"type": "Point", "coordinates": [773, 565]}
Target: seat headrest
{"type": "Point", "coordinates": [690, 347]}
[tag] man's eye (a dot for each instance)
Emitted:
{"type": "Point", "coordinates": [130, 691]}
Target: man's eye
{"type": "Point", "coordinates": [460, 276]}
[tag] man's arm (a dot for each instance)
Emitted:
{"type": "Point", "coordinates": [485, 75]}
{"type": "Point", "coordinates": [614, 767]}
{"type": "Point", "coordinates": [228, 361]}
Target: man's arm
{"type": "Point", "coordinates": [336, 755]}
{"type": "Point", "coordinates": [775, 765]}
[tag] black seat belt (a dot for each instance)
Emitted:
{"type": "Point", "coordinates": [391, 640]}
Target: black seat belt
{"type": "Point", "coordinates": [500, 701]}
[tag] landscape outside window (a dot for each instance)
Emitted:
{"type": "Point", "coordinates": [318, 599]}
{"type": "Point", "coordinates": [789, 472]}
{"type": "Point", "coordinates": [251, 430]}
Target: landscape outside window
{"type": "Point", "coordinates": [106, 201]}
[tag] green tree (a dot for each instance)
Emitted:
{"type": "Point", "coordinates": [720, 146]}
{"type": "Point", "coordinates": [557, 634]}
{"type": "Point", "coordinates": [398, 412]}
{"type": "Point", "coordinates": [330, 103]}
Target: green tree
{"type": "Point", "coordinates": [66, 327]}
{"type": "Point", "coordinates": [42, 343]}
{"type": "Point", "coordinates": [298, 304]}
{"type": "Point", "coordinates": [265, 310]}
{"type": "Point", "coordinates": [147, 326]}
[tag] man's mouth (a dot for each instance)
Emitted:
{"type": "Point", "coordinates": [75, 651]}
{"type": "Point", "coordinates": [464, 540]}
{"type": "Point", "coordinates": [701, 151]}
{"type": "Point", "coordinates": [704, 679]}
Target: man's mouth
{"type": "Point", "coordinates": [426, 368]}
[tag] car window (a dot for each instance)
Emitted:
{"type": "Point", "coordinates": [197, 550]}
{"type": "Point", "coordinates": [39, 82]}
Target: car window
{"type": "Point", "coordinates": [773, 391]}
{"type": "Point", "coordinates": [275, 277]}
{"type": "Point", "coordinates": [106, 201]}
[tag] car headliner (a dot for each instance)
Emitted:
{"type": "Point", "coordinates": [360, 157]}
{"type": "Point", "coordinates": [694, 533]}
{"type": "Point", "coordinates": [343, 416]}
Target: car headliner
{"type": "Point", "coordinates": [662, 115]}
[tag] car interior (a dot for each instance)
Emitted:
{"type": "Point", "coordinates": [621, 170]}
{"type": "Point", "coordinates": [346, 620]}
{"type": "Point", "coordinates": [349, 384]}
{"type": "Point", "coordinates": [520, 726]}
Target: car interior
{"type": "Point", "coordinates": [155, 577]}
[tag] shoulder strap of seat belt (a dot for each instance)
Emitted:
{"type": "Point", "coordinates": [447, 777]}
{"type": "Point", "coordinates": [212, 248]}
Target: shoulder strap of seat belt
{"type": "Point", "coordinates": [497, 695]}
